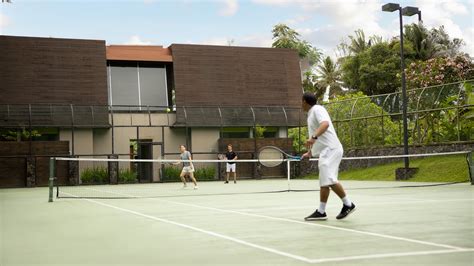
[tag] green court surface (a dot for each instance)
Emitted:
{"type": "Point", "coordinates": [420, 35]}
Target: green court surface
{"type": "Point", "coordinates": [229, 224]}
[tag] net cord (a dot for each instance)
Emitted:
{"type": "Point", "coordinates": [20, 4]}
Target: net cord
{"type": "Point", "coordinates": [255, 160]}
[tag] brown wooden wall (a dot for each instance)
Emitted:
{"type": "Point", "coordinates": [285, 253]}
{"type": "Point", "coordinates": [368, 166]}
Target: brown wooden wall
{"type": "Point", "coordinates": [51, 70]}
{"type": "Point", "coordinates": [236, 76]}
{"type": "Point", "coordinates": [14, 170]}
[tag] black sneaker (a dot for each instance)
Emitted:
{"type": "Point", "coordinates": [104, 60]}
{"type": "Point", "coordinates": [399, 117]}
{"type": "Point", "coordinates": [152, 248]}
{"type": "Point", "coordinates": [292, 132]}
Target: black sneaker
{"type": "Point", "coordinates": [346, 210]}
{"type": "Point", "coordinates": [226, 182]}
{"type": "Point", "coordinates": [316, 216]}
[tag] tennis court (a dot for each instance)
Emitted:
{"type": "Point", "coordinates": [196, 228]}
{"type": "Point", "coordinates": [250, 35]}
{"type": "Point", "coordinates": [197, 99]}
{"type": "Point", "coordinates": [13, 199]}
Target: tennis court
{"type": "Point", "coordinates": [234, 224]}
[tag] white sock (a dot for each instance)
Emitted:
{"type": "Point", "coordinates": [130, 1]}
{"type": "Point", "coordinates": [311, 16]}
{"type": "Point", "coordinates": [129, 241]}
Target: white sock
{"type": "Point", "coordinates": [346, 201]}
{"type": "Point", "coordinates": [322, 207]}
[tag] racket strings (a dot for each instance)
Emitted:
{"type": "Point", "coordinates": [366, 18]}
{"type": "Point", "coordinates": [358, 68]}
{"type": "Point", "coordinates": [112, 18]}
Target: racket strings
{"type": "Point", "coordinates": [270, 157]}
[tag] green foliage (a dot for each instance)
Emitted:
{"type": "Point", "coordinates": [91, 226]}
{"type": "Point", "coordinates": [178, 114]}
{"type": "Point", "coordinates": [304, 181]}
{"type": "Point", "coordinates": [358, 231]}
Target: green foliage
{"type": "Point", "coordinates": [329, 75]}
{"type": "Point", "coordinates": [95, 175]}
{"type": "Point", "coordinates": [359, 131]}
{"type": "Point", "coordinates": [171, 173]}
{"type": "Point", "coordinates": [206, 173]}
{"type": "Point", "coordinates": [421, 40]}
{"type": "Point", "coordinates": [127, 175]}
{"type": "Point", "coordinates": [311, 84]}
{"type": "Point", "coordinates": [362, 131]}
{"type": "Point", "coordinates": [260, 131]}
{"type": "Point", "coordinates": [286, 37]}
{"type": "Point", "coordinates": [450, 122]}
{"type": "Point", "coordinates": [375, 70]}
{"type": "Point", "coordinates": [299, 136]}
{"type": "Point", "coordinates": [18, 135]}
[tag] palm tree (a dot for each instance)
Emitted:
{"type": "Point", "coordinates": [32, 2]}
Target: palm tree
{"type": "Point", "coordinates": [330, 77]}
{"type": "Point", "coordinates": [421, 40]}
{"type": "Point", "coordinates": [310, 84]}
{"type": "Point", "coordinates": [358, 43]}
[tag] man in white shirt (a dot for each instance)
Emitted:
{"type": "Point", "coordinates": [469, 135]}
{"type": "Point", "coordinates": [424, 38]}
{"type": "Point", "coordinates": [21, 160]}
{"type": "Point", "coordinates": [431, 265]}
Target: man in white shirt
{"type": "Point", "coordinates": [324, 143]}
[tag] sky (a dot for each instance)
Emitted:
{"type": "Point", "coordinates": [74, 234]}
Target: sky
{"type": "Point", "coordinates": [323, 23]}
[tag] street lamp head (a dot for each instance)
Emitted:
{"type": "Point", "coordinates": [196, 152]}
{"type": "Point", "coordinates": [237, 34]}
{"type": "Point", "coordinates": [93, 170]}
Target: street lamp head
{"type": "Point", "coordinates": [410, 11]}
{"type": "Point", "coordinates": [390, 7]}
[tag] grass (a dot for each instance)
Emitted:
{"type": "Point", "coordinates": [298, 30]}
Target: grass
{"type": "Point", "coordinates": [433, 169]}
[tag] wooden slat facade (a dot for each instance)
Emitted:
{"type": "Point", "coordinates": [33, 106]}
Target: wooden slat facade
{"type": "Point", "coordinates": [207, 76]}
{"type": "Point", "coordinates": [51, 74]}
{"type": "Point", "coordinates": [51, 70]}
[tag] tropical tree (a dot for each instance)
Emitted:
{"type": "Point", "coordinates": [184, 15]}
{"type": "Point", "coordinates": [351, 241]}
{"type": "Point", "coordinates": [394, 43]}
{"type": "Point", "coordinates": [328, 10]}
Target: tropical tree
{"type": "Point", "coordinates": [445, 46]}
{"type": "Point", "coordinates": [357, 44]}
{"type": "Point", "coordinates": [432, 43]}
{"type": "Point", "coordinates": [420, 38]}
{"type": "Point", "coordinates": [311, 84]}
{"type": "Point", "coordinates": [286, 37]}
{"type": "Point", "coordinates": [330, 77]}
{"type": "Point", "coordinates": [375, 70]}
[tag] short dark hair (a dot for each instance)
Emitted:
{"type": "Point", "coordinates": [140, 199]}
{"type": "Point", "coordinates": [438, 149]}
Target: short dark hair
{"type": "Point", "coordinates": [309, 98]}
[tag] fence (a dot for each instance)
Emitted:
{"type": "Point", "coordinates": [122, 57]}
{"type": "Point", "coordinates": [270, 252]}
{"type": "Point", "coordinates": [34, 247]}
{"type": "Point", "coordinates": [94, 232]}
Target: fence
{"type": "Point", "coordinates": [436, 114]}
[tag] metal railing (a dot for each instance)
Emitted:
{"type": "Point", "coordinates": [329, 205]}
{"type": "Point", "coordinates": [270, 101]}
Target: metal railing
{"type": "Point", "coordinates": [436, 114]}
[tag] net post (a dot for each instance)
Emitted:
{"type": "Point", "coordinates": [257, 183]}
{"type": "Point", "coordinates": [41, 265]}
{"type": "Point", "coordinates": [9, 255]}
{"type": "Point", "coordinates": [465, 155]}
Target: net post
{"type": "Point", "coordinates": [288, 174]}
{"type": "Point", "coordinates": [471, 167]}
{"type": "Point", "coordinates": [52, 161]}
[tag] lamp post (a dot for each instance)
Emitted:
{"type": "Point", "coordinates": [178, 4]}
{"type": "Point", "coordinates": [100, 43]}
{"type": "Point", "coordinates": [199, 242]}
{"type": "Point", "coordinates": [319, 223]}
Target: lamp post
{"type": "Point", "coordinates": [406, 11]}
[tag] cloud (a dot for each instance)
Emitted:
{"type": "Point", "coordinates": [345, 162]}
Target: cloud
{"type": "Point", "coordinates": [135, 40]}
{"type": "Point", "coordinates": [344, 17]}
{"type": "Point", "coordinates": [217, 41]}
{"type": "Point", "coordinates": [254, 40]}
{"type": "Point", "coordinates": [469, 39]}
{"type": "Point", "coordinates": [298, 19]}
{"type": "Point", "coordinates": [229, 7]}
{"type": "Point", "coordinates": [436, 14]}
{"type": "Point", "coordinates": [4, 21]}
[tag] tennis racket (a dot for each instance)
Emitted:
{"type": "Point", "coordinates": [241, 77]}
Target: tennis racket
{"type": "Point", "coordinates": [271, 156]}
{"type": "Point", "coordinates": [221, 156]}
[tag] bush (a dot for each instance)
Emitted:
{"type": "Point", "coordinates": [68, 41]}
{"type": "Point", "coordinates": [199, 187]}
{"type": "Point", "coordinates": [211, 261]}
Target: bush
{"type": "Point", "coordinates": [127, 176]}
{"type": "Point", "coordinates": [206, 173]}
{"type": "Point", "coordinates": [95, 175]}
{"type": "Point", "coordinates": [171, 173]}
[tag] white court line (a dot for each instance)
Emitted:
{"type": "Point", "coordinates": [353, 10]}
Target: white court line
{"type": "Point", "coordinates": [233, 239]}
{"type": "Point", "coordinates": [318, 225]}
{"type": "Point", "coordinates": [452, 249]}
{"type": "Point", "coordinates": [410, 202]}
{"type": "Point", "coordinates": [308, 224]}
{"type": "Point", "coordinates": [389, 255]}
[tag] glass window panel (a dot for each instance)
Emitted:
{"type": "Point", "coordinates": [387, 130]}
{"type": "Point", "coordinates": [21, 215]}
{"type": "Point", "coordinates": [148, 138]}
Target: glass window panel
{"type": "Point", "coordinates": [153, 90]}
{"type": "Point", "coordinates": [124, 82]}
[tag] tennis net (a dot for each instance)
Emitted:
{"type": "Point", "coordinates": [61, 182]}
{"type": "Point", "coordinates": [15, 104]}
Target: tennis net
{"type": "Point", "coordinates": [116, 178]}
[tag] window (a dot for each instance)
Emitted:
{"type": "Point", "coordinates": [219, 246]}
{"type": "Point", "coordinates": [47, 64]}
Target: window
{"type": "Point", "coordinates": [137, 84]}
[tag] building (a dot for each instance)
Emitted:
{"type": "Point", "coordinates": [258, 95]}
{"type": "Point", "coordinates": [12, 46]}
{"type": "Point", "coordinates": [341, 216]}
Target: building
{"type": "Point", "coordinates": [70, 97]}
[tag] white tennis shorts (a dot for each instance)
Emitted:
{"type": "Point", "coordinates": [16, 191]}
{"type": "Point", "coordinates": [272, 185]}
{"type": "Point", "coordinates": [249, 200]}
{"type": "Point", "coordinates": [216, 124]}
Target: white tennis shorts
{"type": "Point", "coordinates": [230, 167]}
{"type": "Point", "coordinates": [329, 160]}
{"type": "Point", "coordinates": [187, 169]}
